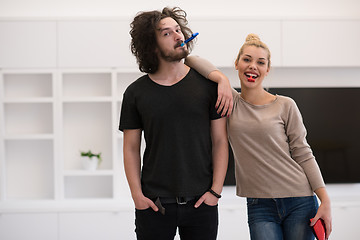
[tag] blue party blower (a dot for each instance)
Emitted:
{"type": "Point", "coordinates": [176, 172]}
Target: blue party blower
{"type": "Point", "coordinates": [189, 39]}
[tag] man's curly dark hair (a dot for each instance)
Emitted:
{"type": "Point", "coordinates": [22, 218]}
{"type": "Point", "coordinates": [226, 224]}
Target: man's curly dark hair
{"type": "Point", "coordinates": [143, 35]}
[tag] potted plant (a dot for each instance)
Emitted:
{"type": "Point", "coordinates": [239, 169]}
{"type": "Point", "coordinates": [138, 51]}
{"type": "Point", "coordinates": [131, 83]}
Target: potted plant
{"type": "Point", "coordinates": [91, 161]}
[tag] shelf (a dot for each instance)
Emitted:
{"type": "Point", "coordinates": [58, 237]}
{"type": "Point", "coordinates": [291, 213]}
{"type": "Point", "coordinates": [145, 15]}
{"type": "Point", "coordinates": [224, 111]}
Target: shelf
{"type": "Point", "coordinates": [27, 85]}
{"type": "Point", "coordinates": [86, 99]}
{"type": "Point", "coordinates": [87, 126]}
{"type": "Point", "coordinates": [29, 100]}
{"type": "Point", "coordinates": [29, 170]}
{"type": "Point", "coordinates": [29, 137]}
{"type": "Point", "coordinates": [28, 118]}
{"type": "Point", "coordinates": [86, 85]}
{"type": "Point", "coordinates": [78, 173]}
{"type": "Point", "coordinates": [80, 187]}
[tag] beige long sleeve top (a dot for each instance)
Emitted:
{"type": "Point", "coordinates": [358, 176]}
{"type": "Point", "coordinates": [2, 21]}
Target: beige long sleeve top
{"type": "Point", "coordinates": [272, 156]}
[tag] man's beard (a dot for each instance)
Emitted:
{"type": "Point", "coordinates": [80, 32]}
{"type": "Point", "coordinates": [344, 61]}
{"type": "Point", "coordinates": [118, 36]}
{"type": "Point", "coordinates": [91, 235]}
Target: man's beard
{"type": "Point", "coordinates": [173, 56]}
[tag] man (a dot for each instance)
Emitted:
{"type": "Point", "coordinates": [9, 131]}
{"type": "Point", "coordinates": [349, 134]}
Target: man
{"type": "Point", "coordinates": [186, 155]}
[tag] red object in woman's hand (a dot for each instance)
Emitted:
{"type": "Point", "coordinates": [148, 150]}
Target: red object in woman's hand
{"type": "Point", "coordinates": [319, 229]}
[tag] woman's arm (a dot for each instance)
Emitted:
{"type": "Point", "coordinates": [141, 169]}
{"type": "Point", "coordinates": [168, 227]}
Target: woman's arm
{"type": "Point", "coordinates": [302, 154]}
{"type": "Point", "coordinates": [224, 102]}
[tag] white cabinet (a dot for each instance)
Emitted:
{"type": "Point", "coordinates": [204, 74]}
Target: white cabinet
{"type": "Point", "coordinates": [68, 226]}
{"type": "Point", "coordinates": [49, 117]}
{"type": "Point", "coordinates": [293, 43]}
{"type": "Point", "coordinates": [219, 41]}
{"type": "Point", "coordinates": [29, 226]}
{"type": "Point", "coordinates": [101, 225]}
{"type": "Point", "coordinates": [106, 43]}
{"type": "Point", "coordinates": [28, 44]}
{"type": "Point", "coordinates": [95, 44]}
{"type": "Point", "coordinates": [321, 43]}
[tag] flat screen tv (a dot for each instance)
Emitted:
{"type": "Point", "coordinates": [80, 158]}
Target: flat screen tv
{"type": "Point", "coordinates": [332, 119]}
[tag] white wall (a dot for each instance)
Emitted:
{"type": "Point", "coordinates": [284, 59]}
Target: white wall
{"type": "Point", "coordinates": [213, 8]}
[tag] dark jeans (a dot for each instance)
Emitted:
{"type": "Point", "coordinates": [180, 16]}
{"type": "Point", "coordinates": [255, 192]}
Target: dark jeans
{"type": "Point", "coordinates": [194, 223]}
{"type": "Point", "coordinates": [281, 218]}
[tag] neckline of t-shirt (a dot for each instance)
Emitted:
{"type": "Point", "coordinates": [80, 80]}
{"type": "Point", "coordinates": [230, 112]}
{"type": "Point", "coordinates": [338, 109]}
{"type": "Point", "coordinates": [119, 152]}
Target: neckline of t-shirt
{"type": "Point", "coordinates": [173, 85]}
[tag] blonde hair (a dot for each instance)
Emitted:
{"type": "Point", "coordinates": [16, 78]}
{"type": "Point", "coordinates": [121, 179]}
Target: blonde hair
{"type": "Point", "coordinates": [253, 40]}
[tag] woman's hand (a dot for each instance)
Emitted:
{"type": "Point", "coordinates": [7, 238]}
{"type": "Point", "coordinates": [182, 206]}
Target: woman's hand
{"type": "Point", "coordinates": [224, 103]}
{"type": "Point", "coordinates": [324, 211]}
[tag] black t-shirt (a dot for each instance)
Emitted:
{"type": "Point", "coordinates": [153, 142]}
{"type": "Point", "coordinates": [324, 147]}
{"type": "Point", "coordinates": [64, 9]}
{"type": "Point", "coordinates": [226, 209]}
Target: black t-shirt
{"type": "Point", "coordinates": [176, 123]}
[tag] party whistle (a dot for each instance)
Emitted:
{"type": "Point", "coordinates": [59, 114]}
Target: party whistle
{"type": "Point", "coordinates": [189, 39]}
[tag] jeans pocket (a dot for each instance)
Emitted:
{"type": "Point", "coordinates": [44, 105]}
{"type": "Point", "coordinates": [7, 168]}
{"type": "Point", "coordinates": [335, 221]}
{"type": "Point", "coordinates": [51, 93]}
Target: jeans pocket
{"type": "Point", "coordinates": [252, 201]}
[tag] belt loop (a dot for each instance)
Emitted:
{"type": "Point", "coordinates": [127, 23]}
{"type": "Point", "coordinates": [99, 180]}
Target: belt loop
{"type": "Point", "coordinates": [181, 200]}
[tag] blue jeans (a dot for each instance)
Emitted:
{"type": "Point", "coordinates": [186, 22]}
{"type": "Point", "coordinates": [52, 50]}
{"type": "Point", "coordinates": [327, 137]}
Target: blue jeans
{"type": "Point", "coordinates": [193, 223]}
{"type": "Point", "coordinates": [281, 218]}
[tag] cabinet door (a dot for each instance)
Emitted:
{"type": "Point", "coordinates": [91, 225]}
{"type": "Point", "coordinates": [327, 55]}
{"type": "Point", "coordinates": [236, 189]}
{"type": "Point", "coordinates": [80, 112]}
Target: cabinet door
{"type": "Point", "coordinates": [95, 44]}
{"type": "Point", "coordinates": [320, 43]}
{"type": "Point", "coordinates": [27, 44]}
{"type": "Point", "coordinates": [97, 225]}
{"type": "Point", "coordinates": [220, 41]}
{"type": "Point", "coordinates": [28, 226]}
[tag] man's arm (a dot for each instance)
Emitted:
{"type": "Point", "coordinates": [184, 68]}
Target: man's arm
{"type": "Point", "coordinates": [220, 154]}
{"type": "Point", "coordinates": [132, 165]}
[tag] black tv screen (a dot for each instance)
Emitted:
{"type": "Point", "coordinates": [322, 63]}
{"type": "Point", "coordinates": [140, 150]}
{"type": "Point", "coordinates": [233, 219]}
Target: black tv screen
{"type": "Point", "coordinates": [332, 119]}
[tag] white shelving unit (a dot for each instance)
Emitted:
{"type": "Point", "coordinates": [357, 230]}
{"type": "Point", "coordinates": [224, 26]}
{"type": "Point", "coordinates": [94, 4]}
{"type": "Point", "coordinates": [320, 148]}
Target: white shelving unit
{"type": "Point", "coordinates": [86, 104]}
{"type": "Point", "coordinates": [27, 135]}
{"type": "Point", "coordinates": [47, 118]}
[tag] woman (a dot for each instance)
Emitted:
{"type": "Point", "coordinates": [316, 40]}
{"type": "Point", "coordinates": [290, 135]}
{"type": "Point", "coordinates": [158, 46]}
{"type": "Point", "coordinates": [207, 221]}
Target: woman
{"type": "Point", "coordinates": [274, 165]}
